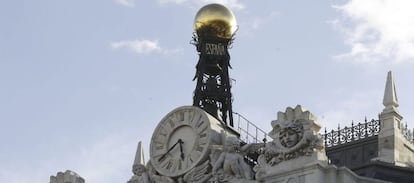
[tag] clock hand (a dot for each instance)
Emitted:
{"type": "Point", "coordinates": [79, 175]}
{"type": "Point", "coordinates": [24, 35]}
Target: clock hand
{"type": "Point", "coordinates": [181, 148]}
{"type": "Point", "coordinates": [171, 148]}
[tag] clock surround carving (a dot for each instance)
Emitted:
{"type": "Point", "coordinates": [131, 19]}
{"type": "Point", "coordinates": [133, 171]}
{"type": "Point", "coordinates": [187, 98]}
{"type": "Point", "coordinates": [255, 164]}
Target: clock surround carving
{"type": "Point", "coordinates": [182, 139]}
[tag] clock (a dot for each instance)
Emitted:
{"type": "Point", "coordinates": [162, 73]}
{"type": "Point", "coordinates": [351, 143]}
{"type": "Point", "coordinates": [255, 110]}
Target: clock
{"type": "Point", "coordinates": [182, 140]}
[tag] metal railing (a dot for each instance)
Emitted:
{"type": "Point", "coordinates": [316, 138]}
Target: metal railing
{"type": "Point", "coordinates": [407, 133]}
{"type": "Point", "coordinates": [353, 133]}
{"type": "Point", "coordinates": [249, 132]}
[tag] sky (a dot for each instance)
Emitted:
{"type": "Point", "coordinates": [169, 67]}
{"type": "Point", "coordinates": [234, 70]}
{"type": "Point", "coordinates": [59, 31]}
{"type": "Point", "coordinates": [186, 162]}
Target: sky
{"type": "Point", "coordinates": [82, 82]}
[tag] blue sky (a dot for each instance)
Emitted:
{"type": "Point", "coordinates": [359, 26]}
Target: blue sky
{"type": "Point", "coordinates": [81, 82]}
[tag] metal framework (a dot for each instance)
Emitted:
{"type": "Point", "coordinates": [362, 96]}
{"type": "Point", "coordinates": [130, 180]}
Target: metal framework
{"type": "Point", "coordinates": [212, 92]}
{"type": "Point", "coordinates": [249, 132]}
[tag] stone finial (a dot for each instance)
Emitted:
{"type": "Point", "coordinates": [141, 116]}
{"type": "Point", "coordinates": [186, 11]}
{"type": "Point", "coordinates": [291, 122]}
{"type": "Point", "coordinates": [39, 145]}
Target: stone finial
{"type": "Point", "coordinates": [67, 177]}
{"type": "Point", "coordinates": [390, 100]}
{"type": "Point", "coordinates": [139, 169]}
{"type": "Point", "coordinates": [139, 155]}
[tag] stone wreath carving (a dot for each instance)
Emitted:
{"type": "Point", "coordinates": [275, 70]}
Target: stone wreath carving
{"type": "Point", "coordinates": [294, 134]}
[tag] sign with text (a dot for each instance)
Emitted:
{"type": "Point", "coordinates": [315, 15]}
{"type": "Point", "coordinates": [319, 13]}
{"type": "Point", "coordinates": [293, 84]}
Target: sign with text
{"type": "Point", "coordinates": [215, 49]}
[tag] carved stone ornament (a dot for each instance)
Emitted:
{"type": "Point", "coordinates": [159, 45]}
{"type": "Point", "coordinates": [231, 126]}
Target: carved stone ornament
{"type": "Point", "coordinates": [156, 177]}
{"type": "Point", "coordinates": [230, 165]}
{"type": "Point", "coordinates": [224, 165]}
{"type": "Point", "coordinates": [67, 177]}
{"type": "Point", "coordinates": [140, 174]}
{"type": "Point", "coordinates": [294, 135]}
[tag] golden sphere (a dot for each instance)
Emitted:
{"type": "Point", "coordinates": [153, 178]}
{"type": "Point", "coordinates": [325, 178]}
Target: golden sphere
{"type": "Point", "coordinates": [215, 20]}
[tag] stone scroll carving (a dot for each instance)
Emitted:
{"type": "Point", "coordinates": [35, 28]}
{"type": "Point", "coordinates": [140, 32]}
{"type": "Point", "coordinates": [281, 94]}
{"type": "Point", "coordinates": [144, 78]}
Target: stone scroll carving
{"type": "Point", "coordinates": [294, 135]}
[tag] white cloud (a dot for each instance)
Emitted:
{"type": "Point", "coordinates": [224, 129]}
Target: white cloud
{"type": "Point", "coordinates": [250, 25]}
{"type": "Point", "coordinates": [138, 46]}
{"type": "Point", "coordinates": [127, 3]}
{"type": "Point", "coordinates": [258, 22]}
{"type": "Point", "coordinates": [377, 31]}
{"type": "Point", "coordinates": [143, 46]}
{"type": "Point", "coordinates": [232, 4]}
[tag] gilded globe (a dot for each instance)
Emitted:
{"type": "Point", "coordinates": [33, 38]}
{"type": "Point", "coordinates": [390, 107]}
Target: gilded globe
{"type": "Point", "coordinates": [215, 20]}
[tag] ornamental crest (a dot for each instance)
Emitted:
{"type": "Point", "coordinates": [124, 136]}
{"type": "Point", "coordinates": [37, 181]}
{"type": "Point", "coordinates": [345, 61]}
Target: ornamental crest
{"type": "Point", "coordinates": [294, 134]}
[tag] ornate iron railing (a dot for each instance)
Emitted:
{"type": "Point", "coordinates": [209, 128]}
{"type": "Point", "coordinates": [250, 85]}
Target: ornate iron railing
{"type": "Point", "coordinates": [353, 133]}
{"type": "Point", "coordinates": [407, 133]}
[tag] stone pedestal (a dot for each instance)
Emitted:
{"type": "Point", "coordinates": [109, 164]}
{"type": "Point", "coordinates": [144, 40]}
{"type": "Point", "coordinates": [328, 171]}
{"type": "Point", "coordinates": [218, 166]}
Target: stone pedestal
{"type": "Point", "coordinates": [393, 147]}
{"type": "Point", "coordinates": [294, 164]}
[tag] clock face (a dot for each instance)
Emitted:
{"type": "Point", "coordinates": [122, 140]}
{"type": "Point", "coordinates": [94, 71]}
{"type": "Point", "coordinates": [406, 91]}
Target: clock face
{"type": "Point", "coordinates": [180, 141]}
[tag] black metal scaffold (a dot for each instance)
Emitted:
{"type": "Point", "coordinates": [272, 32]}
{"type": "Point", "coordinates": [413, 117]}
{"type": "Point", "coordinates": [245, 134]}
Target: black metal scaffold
{"type": "Point", "coordinates": [213, 89]}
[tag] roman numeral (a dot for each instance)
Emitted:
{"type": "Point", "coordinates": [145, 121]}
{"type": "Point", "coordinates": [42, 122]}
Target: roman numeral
{"type": "Point", "coordinates": [159, 147]}
{"type": "Point", "coordinates": [203, 135]}
{"type": "Point", "coordinates": [188, 115]}
{"type": "Point", "coordinates": [162, 159]}
{"type": "Point", "coordinates": [158, 153]}
{"type": "Point", "coordinates": [172, 123]}
{"type": "Point", "coordinates": [199, 149]}
{"type": "Point", "coordinates": [188, 162]}
{"type": "Point", "coordinates": [199, 124]}
{"type": "Point", "coordinates": [169, 165]}
{"type": "Point", "coordinates": [196, 118]}
{"type": "Point", "coordinates": [164, 131]}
